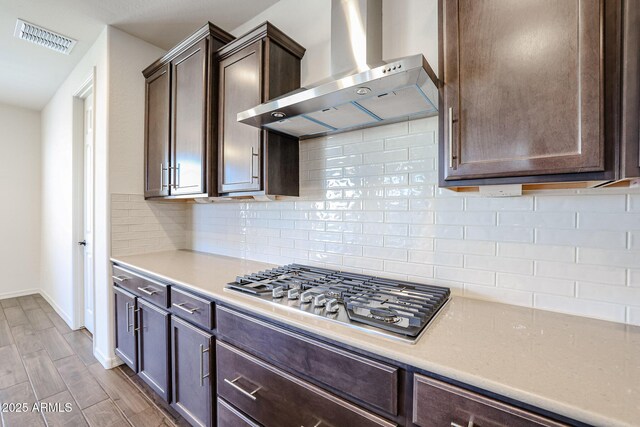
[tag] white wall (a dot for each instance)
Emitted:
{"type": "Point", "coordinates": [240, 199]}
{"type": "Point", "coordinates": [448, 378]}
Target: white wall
{"type": "Point", "coordinates": [20, 212]}
{"type": "Point", "coordinates": [59, 236]}
{"type": "Point", "coordinates": [121, 169]}
{"type": "Point", "coordinates": [308, 23]}
{"type": "Point", "coordinates": [117, 59]}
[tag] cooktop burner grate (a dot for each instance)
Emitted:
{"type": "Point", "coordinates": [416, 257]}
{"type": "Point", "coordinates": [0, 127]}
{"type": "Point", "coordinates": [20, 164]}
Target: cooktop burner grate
{"type": "Point", "coordinates": [398, 307]}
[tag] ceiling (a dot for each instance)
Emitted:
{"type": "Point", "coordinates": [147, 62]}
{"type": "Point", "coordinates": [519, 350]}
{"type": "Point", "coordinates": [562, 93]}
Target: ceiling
{"type": "Point", "coordinates": [30, 74]}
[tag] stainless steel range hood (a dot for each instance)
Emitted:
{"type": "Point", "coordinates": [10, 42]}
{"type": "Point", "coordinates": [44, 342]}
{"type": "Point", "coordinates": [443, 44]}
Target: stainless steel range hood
{"type": "Point", "coordinates": [362, 92]}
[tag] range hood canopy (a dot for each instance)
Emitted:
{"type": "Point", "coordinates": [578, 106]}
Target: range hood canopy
{"type": "Point", "coordinates": [363, 91]}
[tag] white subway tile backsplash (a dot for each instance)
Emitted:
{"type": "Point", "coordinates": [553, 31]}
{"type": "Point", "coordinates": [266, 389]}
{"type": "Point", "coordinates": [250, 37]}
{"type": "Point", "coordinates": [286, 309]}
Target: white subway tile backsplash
{"type": "Point", "coordinates": [386, 156]}
{"type": "Point", "coordinates": [465, 275]}
{"type": "Point", "coordinates": [491, 263]}
{"type": "Point", "coordinates": [594, 273]}
{"type": "Point", "coordinates": [586, 203]}
{"type": "Point", "coordinates": [616, 294]}
{"type": "Point", "coordinates": [509, 296]}
{"type": "Point", "coordinates": [477, 203]}
{"type": "Point", "coordinates": [599, 221]}
{"type": "Point", "coordinates": [437, 230]}
{"type": "Point", "coordinates": [585, 238]}
{"type": "Point", "coordinates": [466, 247]}
{"type": "Point", "coordinates": [633, 315]}
{"type": "Point", "coordinates": [370, 203]}
{"type": "Point", "coordinates": [500, 234]}
{"type": "Point", "coordinates": [407, 268]}
{"type": "Point", "coordinates": [537, 252]}
{"type": "Point", "coordinates": [466, 218]}
{"type": "Point", "coordinates": [436, 258]}
{"type": "Point", "coordinates": [385, 253]}
{"type": "Point", "coordinates": [634, 278]}
{"type": "Point", "coordinates": [387, 131]}
{"type": "Point", "coordinates": [538, 219]}
{"type": "Point", "coordinates": [139, 226]}
{"type": "Point", "coordinates": [627, 259]}
{"type": "Point", "coordinates": [536, 284]}
{"type": "Point", "coordinates": [580, 307]}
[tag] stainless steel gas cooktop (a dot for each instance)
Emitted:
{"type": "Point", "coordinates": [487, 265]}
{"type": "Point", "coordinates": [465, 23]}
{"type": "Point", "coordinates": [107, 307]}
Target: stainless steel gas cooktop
{"type": "Point", "coordinates": [393, 308]}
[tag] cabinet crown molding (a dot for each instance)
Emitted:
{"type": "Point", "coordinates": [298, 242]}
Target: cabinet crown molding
{"type": "Point", "coordinates": [207, 30]}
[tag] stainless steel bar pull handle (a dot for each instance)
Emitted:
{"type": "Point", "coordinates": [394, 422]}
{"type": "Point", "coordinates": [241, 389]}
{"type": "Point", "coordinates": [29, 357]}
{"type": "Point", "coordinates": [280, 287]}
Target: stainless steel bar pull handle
{"type": "Point", "coordinates": [182, 307]}
{"type": "Point", "coordinates": [127, 316]}
{"type": "Point", "coordinates": [451, 156]}
{"type": "Point", "coordinates": [162, 170]}
{"type": "Point", "coordinates": [254, 156]}
{"type": "Point", "coordinates": [137, 316]}
{"type": "Point", "coordinates": [202, 375]}
{"type": "Point", "coordinates": [249, 394]}
{"type": "Point", "coordinates": [130, 325]}
{"type": "Point", "coordinates": [147, 291]}
{"type": "Point", "coordinates": [176, 176]}
{"type": "Point", "coordinates": [120, 279]}
{"type": "Point", "coordinates": [469, 424]}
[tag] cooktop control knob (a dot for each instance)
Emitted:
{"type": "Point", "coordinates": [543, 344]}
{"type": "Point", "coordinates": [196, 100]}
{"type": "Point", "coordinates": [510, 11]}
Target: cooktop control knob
{"type": "Point", "coordinates": [293, 294]}
{"type": "Point", "coordinates": [319, 300]}
{"type": "Point", "coordinates": [306, 297]}
{"type": "Point", "coordinates": [332, 306]}
{"type": "Point", "coordinates": [277, 292]}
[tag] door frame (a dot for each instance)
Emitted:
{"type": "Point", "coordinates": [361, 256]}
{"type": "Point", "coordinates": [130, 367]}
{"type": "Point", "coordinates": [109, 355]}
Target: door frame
{"type": "Point", "coordinates": [87, 87]}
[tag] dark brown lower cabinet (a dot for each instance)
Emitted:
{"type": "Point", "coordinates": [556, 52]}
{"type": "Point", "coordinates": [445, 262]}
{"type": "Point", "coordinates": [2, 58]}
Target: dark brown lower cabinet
{"type": "Point", "coordinates": [126, 334]}
{"type": "Point", "coordinates": [436, 403]}
{"type": "Point", "coordinates": [274, 398]}
{"type": "Point", "coordinates": [228, 416]}
{"type": "Point", "coordinates": [153, 347]}
{"type": "Point", "coordinates": [192, 364]}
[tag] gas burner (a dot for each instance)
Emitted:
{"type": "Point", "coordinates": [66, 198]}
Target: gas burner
{"type": "Point", "coordinates": [395, 308]}
{"type": "Point", "coordinates": [384, 315]}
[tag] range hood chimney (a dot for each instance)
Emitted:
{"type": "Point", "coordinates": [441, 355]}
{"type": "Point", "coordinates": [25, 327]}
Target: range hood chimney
{"type": "Point", "coordinates": [363, 91]}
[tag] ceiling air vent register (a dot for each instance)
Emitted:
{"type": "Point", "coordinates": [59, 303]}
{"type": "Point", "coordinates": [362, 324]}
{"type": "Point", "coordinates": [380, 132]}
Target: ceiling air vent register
{"type": "Point", "coordinates": [43, 37]}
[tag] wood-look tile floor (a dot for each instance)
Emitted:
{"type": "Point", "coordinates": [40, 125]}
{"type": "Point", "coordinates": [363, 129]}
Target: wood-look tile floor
{"type": "Point", "coordinates": [44, 363]}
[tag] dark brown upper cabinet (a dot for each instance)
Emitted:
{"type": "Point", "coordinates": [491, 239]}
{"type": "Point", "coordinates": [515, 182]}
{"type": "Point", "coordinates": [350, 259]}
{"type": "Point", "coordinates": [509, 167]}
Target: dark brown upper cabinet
{"type": "Point", "coordinates": [181, 118]}
{"type": "Point", "coordinates": [630, 158]}
{"type": "Point", "coordinates": [257, 67]}
{"type": "Point", "coordinates": [529, 92]}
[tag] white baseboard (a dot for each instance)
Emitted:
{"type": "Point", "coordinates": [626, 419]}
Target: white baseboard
{"type": "Point", "coordinates": [19, 293]}
{"type": "Point", "coordinates": [56, 307]}
{"type": "Point", "coordinates": [105, 361]}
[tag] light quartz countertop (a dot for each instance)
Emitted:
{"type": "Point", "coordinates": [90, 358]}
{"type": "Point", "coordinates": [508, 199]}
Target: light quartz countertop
{"type": "Point", "coordinates": [582, 368]}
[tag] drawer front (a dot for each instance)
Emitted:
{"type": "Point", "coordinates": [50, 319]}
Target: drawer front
{"type": "Point", "coordinates": [275, 398]}
{"type": "Point", "coordinates": [192, 308]}
{"type": "Point", "coordinates": [228, 416]}
{"type": "Point", "coordinates": [436, 403]}
{"type": "Point", "coordinates": [361, 378]}
{"type": "Point", "coordinates": [143, 287]}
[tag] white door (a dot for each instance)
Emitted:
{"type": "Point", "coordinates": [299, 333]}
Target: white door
{"type": "Point", "coordinates": [88, 213]}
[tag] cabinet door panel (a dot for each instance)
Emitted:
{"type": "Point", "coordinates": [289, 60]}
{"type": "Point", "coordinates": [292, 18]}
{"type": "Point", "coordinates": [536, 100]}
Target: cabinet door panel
{"type": "Point", "coordinates": [153, 347]}
{"type": "Point", "coordinates": [240, 145]}
{"type": "Point", "coordinates": [192, 372]}
{"type": "Point", "coordinates": [126, 335]}
{"type": "Point", "coordinates": [189, 133]}
{"type": "Point", "coordinates": [157, 116]}
{"type": "Point", "coordinates": [522, 88]}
